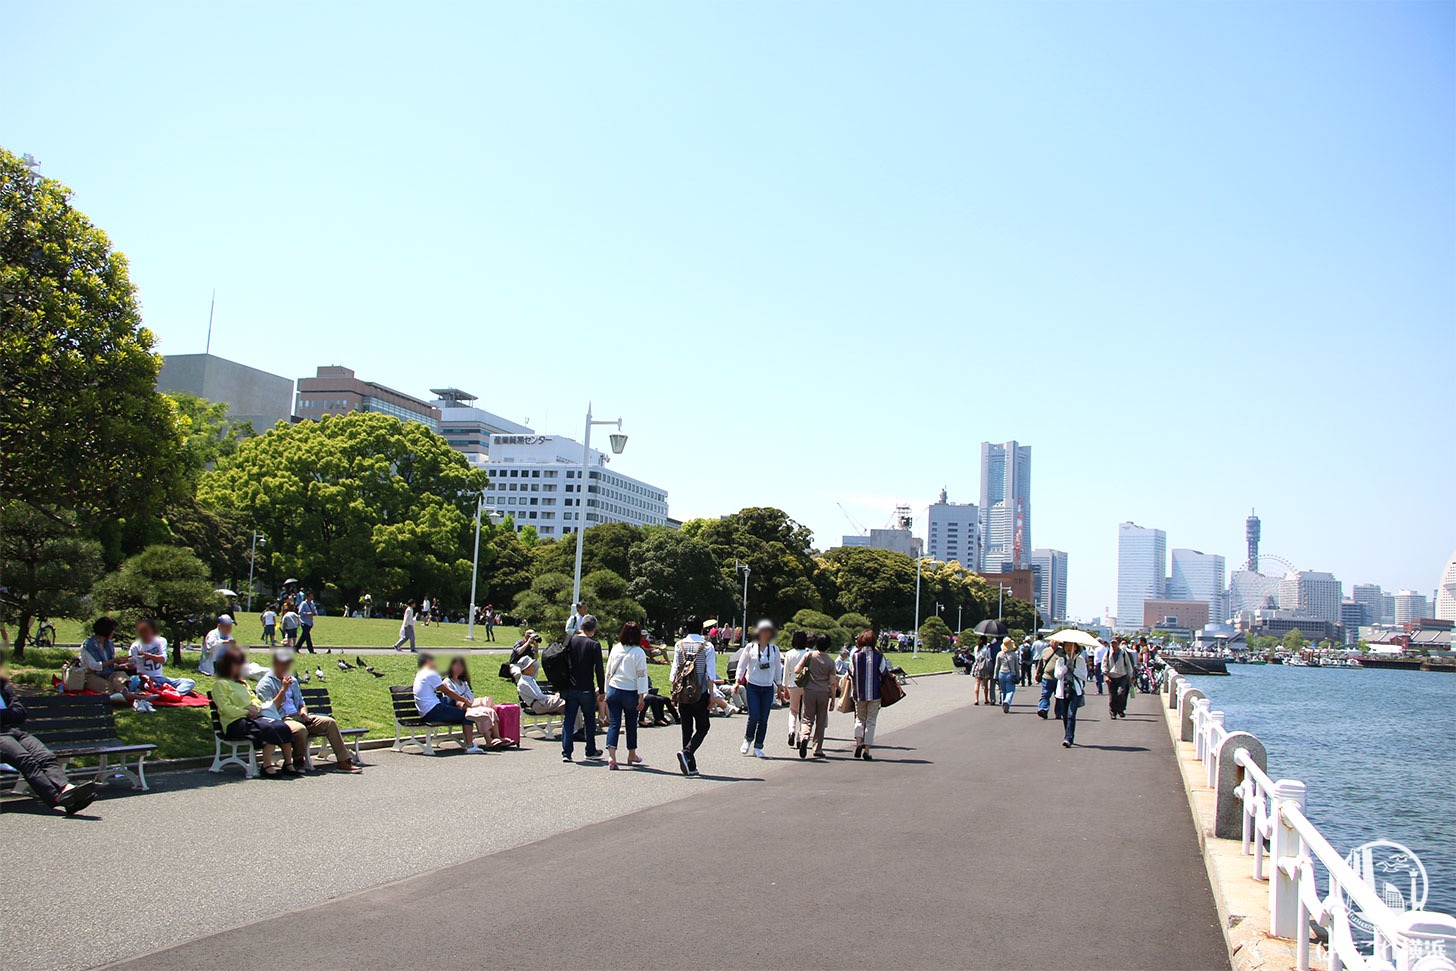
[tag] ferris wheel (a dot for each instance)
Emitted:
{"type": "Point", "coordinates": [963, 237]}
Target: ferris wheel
{"type": "Point", "coordinates": [1264, 560]}
{"type": "Point", "coordinates": [1251, 589]}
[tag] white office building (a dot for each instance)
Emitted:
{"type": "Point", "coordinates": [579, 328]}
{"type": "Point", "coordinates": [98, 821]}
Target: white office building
{"type": "Point", "coordinates": [1309, 593]}
{"type": "Point", "coordinates": [536, 480]}
{"type": "Point", "coordinates": [894, 540]}
{"type": "Point", "coordinates": [1446, 592]}
{"type": "Point", "coordinates": [1050, 570]}
{"type": "Point", "coordinates": [1142, 557]}
{"type": "Point", "coordinates": [1005, 505]}
{"type": "Point", "coordinates": [1410, 606]}
{"type": "Point", "coordinates": [954, 532]}
{"type": "Point", "coordinates": [1371, 600]}
{"type": "Point", "coordinates": [468, 428]}
{"type": "Point", "coordinates": [1199, 576]}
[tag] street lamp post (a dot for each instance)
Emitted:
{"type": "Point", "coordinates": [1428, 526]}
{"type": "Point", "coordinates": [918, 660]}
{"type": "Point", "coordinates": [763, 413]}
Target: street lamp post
{"type": "Point", "coordinates": [1000, 588]}
{"type": "Point", "coordinates": [915, 648]}
{"type": "Point", "coordinates": [960, 608]}
{"type": "Point", "coordinates": [619, 442]}
{"type": "Point", "coordinates": [495, 517]}
{"type": "Point", "coordinates": [746, 571]}
{"type": "Point", "coordinates": [252, 561]}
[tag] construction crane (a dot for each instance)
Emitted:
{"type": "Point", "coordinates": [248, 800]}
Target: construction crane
{"type": "Point", "coordinates": [852, 521]}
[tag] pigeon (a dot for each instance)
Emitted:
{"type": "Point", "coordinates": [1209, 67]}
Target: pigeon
{"type": "Point", "coordinates": [359, 661]}
{"type": "Point", "coordinates": [304, 679]}
{"type": "Point", "coordinates": [377, 674]}
{"type": "Point", "coordinates": [343, 665]}
{"type": "Point", "coordinates": [318, 673]}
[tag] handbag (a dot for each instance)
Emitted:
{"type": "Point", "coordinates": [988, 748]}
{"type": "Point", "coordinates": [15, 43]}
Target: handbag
{"type": "Point", "coordinates": [73, 678]}
{"type": "Point", "coordinates": [801, 676]}
{"type": "Point", "coordinates": [890, 690]}
{"type": "Point", "coordinates": [846, 696]}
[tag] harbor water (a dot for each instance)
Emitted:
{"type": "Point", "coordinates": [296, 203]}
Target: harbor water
{"type": "Point", "coordinates": [1374, 748]}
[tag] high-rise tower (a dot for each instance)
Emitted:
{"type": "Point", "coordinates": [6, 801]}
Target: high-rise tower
{"type": "Point", "coordinates": [1251, 536]}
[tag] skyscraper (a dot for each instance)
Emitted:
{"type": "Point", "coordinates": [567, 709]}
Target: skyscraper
{"type": "Point", "coordinates": [1251, 537]}
{"type": "Point", "coordinates": [1310, 593]}
{"type": "Point", "coordinates": [1005, 506]}
{"type": "Point", "coordinates": [1369, 597]}
{"type": "Point", "coordinates": [1446, 592]}
{"type": "Point", "coordinates": [1199, 576]}
{"type": "Point", "coordinates": [1050, 568]}
{"type": "Point", "coordinates": [1141, 571]}
{"type": "Point", "coordinates": [1410, 606]}
{"type": "Point", "coordinates": [954, 532]}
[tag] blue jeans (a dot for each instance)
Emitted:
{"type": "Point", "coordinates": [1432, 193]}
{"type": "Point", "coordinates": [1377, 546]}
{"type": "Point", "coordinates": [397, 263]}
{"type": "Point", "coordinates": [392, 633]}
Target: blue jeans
{"type": "Point", "coordinates": [621, 702]}
{"type": "Point", "coordinates": [586, 703]}
{"type": "Point", "coordinates": [1008, 687]}
{"type": "Point", "coordinates": [1048, 685]}
{"type": "Point", "coordinates": [1069, 711]}
{"type": "Point", "coordinates": [760, 703]}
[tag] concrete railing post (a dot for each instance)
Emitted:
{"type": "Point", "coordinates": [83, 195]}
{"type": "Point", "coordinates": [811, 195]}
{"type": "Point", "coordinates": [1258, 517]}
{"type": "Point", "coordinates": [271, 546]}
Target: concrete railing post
{"type": "Point", "coordinates": [1228, 808]}
{"type": "Point", "coordinates": [1186, 700]}
{"type": "Point", "coordinates": [1175, 685]}
{"type": "Point", "coordinates": [1285, 845]}
{"type": "Point", "coordinates": [1210, 747]}
{"type": "Point", "coordinates": [1200, 728]}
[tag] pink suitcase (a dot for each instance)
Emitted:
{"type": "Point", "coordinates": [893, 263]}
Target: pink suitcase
{"type": "Point", "coordinates": [508, 720]}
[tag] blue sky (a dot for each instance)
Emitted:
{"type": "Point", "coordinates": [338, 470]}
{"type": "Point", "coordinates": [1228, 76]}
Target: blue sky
{"type": "Point", "coordinates": [1199, 256]}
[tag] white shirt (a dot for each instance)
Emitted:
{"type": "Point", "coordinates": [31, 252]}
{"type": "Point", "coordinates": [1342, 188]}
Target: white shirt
{"type": "Point", "coordinates": [427, 682]}
{"type": "Point", "coordinates": [627, 669]}
{"type": "Point", "coordinates": [270, 617]}
{"type": "Point", "coordinates": [1079, 671]}
{"type": "Point", "coordinates": [150, 666]}
{"type": "Point", "coordinates": [409, 619]}
{"type": "Point", "coordinates": [529, 691]}
{"type": "Point", "coordinates": [213, 645]}
{"type": "Point", "coordinates": [751, 668]}
{"type": "Point", "coordinates": [460, 688]}
{"type": "Point", "coordinates": [791, 664]}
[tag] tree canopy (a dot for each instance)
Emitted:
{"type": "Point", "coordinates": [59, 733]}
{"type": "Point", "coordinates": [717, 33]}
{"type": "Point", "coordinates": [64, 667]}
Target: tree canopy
{"type": "Point", "coordinates": [166, 583]}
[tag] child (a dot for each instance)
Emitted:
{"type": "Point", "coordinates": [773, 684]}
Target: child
{"type": "Point", "coordinates": [270, 626]}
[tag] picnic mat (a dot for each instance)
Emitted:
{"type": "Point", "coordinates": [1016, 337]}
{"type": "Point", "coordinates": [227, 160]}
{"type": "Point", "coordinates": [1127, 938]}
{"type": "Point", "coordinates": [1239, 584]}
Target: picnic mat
{"type": "Point", "coordinates": [163, 697]}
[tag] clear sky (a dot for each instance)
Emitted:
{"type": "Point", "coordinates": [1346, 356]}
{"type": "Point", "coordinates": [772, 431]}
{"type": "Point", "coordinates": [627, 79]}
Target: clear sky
{"type": "Point", "coordinates": [1201, 257]}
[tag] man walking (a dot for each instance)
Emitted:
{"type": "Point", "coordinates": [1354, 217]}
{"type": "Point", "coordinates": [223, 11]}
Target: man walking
{"type": "Point", "coordinates": [586, 683]}
{"type": "Point", "coordinates": [1120, 665]}
{"type": "Point", "coordinates": [573, 623]}
{"type": "Point", "coordinates": [694, 654]}
{"type": "Point", "coordinates": [1025, 656]}
{"type": "Point", "coordinates": [1099, 656]}
{"type": "Point", "coordinates": [490, 622]}
{"type": "Point", "coordinates": [761, 672]}
{"type": "Point", "coordinates": [307, 611]}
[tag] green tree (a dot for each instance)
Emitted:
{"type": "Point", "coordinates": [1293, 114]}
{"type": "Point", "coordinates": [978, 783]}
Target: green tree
{"type": "Point", "coordinates": [674, 577]}
{"type": "Point", "coordinates": [208, 435]}
{"type": "Point", "coordinates": [1293, 642]}
{"type": "Point", "coordinates": [164, 582]}
{"type": "Point", "coordinates": [364, 502]}
{"type": "Point", "coordinates": [854, 622]}
{"type": "Point", "coordinates": [880, 584]}
{"type": "Point", "coordinates": [605, 592]}
{"type": "Point", "coordinates": [47, 567]}
{"type": "Point", "coordinates": [605, 547]}
{"type": "Point", "coordinates": [544, 604]}
{"type": "Point", "coordinates": [778, 551]}
{"type": "Point", "coordinates": [934, 634]}
{"type": "Point", "coordinates": [82, 427]}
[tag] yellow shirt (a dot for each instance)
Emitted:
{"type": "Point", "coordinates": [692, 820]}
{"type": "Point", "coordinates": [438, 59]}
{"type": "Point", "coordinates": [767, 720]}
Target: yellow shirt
{"type": "Point", "coordinates": [233, 698]}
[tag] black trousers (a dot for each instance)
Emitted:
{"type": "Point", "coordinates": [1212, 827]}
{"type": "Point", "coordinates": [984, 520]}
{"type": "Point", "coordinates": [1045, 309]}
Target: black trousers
{"type": "Point", "coordinates": [1117, 704]}
{"type": "Point", "coordinates": [36, 764]}
{"type": "Point", "coordinates": [695, 724]}
{"type": "Point", "coordinates": [305, 637]}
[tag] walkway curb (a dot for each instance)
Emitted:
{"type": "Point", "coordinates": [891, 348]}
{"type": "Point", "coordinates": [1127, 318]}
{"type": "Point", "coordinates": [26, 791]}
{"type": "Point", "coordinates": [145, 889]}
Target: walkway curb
{"type": "Point", "coordinates": [1242, 901]}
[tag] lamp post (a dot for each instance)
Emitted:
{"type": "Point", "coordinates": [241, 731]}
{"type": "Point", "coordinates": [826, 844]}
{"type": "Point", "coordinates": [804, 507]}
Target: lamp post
{"type": "Point", "coordinates": [1000, 588]}
{"type": "Point", "coordinates": [746, 571]}
{"type": "Point", "coordinates": [960, 608]}
{"type": "Point", "coordinates": [619, 442]}
{"type": "Point", "coordinates": [495, 517]}
{"type": "Point", "coordinates": [252, 561]}
{"type": "Point", "coordinates": [915, 648]}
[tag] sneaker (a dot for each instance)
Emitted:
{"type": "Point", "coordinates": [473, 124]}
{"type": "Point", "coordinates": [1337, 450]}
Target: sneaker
{"type": "Point", "coordinates": [1066, 744]}
{"type": "Point", "coordinates": [1006, 707]}
{"type": "Point", "coordinates": [475, 750]}
{"type": "Point", "coordinates": [804, 747]}
{"type": "Point", "coordinates": [743, 749]}
{"type": "Point", "coordinates": [867, 756]}
{"type": "Point", "coordinates": [692, 764]}
{"type": "Point", "coordinates": [565, 757]}
{"type": "Point", "coordinates": [1041, 713]}
{"type": "Point", "coordinates": [682, 763]}
{"type": "Point", "coordinates": [858, 751]}
{"type": "Point", "coordinates": [791, 739]}
{"type": "Point", "coordinates": [758, 754]}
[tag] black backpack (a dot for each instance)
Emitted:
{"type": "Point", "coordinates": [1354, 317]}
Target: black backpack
{"type": "Point", "coordinates": [556, 665]}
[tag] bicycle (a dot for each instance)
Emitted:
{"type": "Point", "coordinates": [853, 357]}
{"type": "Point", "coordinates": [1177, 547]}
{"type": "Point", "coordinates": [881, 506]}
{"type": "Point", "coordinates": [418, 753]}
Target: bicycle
{"type": "Point", "coordinates": [45, 634]}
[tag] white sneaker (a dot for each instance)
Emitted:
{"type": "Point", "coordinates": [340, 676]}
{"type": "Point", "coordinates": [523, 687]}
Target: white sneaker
{"type": "Point", "coordinates": [758, 754]}
{"type": "Point", "coordinates": [475, 750]}
{"type": "Point", "coordinates": [743, 749]}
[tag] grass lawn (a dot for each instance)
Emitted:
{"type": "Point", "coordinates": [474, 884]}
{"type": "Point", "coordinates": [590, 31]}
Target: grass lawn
{"type": "Point", "coordinates": [341, 631]}
{"type": "Point", "coordinates": [360, 700]}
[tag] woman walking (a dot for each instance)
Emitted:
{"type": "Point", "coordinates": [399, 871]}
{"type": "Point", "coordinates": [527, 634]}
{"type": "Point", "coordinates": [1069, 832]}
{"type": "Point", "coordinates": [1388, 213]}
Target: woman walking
{"type": "Point", "coordinates": [798, 649]}
{"type": "Point", "coordinates": [627, 687]}
{"type": "Point", "coordinates": [983, 669]}
{"type": "Point", "coordinates": [819, 684]}
{"type": "Point", "coordinates": [866, 666]}
{"type": "Point", "coordinates": [407, 628]}
{"type": "Point", "coordinates": [1071, 676]}
{"type": "Point", "coordinates": [1008, 672]}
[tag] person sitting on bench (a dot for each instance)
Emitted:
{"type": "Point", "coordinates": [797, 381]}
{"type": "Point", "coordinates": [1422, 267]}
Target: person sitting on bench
{"type": "Point", "coordinates": [241, 714]}
{"type": "Point", "coordinates": [478, 710]}
{"type": "Point", "coordinates": [283, 699]}
{"type": "Point", "coordinates": [36, 764]}
{"type": "Point", "coordinates": [533, 700]}
{"type": "Point", "coordinates": [438, 704]}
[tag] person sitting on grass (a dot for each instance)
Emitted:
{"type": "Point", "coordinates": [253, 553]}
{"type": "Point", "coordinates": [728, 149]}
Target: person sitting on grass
{"type": "Point", "coordinates": [479, 710]}
{"type": "Point", "coordinates": [218, 640]}
{"type": "Point", "coordinates": [241, 714]}
{"type": "Point", "coordinates": [105, 675]}
{"type": "Point", "coordinates": [36, 764]}
{"type": "Point", "coordinates": [439, 704]}
{"type": "Point", "coordinates": [283, 700]}
{"type": "Point", "coordinates": [149, 653]}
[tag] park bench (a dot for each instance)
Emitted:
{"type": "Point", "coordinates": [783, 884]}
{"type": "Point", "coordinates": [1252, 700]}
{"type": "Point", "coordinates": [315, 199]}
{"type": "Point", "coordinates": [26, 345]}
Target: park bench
{"type": "Point", "coordinates": [408, 723]}
{"type": "Point", "coordinates": [84, 726]}
{"type": "Point", "coordinates": [249, 766]}
{"type": "Point", "coordinates": [316, 700]}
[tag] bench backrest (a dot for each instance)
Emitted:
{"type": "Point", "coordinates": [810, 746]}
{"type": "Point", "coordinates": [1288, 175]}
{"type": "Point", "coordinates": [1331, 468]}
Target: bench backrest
{"type": "Point", "coordinates": [405, 710]}
{"type": "Point", "coordinates": [317, 701]}
{"type": "Point", "coordinates": [60, 720]}
{"type": "Point", "coordinates": [216, 721]}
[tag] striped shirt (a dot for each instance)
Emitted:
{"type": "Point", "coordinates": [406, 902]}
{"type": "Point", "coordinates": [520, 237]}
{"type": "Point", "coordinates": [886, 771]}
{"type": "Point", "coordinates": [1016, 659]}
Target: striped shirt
{"type": "Point", "coordinates": [867, 666]}
{"type": "Point", "coordinates": [705, 661]}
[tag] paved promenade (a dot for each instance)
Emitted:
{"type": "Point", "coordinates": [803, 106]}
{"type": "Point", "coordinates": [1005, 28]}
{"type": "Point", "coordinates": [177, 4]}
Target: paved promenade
{"type": "Point", "coordinates": [974, 841]}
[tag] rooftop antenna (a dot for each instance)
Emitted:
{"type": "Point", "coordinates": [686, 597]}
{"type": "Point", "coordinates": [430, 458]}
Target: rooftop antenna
{"type": "Point", "coordinates": [207, 349]}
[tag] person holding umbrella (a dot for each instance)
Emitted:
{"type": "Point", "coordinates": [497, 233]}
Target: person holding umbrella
{"type": "Point", "coordinates": [1071, 674]}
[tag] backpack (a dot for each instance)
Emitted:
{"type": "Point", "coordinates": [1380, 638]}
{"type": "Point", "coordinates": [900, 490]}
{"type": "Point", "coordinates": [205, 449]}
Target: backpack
{"type": "Point", "coordinates": [686, 688]}
{"type": "Point", "coordinates": [557, 666]}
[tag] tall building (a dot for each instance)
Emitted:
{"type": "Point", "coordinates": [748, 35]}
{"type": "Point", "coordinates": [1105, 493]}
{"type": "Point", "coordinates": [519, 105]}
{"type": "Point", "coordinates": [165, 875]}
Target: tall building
{"type": "Point", "coordinates": [1410, 606]}
{"type": "Point", "coordinates": [1141, 571]}
{"type": "Point", "coordinates": [1369, 597]}
{"type": "Point", "coordinates": [1050, 570]}
{"type": "Point", "coordinates": [1199, 576]}
{"type": "Point", "coordinates": [536, 480]}
{"type": "Point", "coordinates": [896, 540]}
{"type": "Point", "coordinates": [1387, 608]}
{"type": "Point", "coordinates": [1310, 593]}
{"type": "Point", "coordinates": [250, 394]}
{"type": "Point", "coordinates": [1190, 615]}
{"type": "Point", "coordinates": [468, 428]}
{"type": "Point", "coordinates": [1251, 540]}
{"type": "Point", "coordinates": [1446, 592]}
{"type": "Point", "coordinates": [336, 391]}
{"type": "Point", "coordinates": [1005, 505]}
{"type": "Point", "coordinates": [954, 532]}
{"type": "Point", "coordinates": [1352, 618]}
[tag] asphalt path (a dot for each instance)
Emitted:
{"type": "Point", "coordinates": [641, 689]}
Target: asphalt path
{"type": "Point", "coordinates": [973, 841]}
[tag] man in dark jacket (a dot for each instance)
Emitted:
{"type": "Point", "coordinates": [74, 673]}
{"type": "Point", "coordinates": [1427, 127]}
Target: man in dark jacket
{"type": "Point", "coordinates": [586, 682]}
{"type": "Point", "coordinates": [36, 764]}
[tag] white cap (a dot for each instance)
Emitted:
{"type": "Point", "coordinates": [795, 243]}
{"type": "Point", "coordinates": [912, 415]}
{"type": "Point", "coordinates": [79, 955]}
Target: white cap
{"type": "Point", "coordinates": [224, 619]}
{"type": "Point", "coordinates": [764, 625]}
{"type": "Point", "coordinates": [284, 654]}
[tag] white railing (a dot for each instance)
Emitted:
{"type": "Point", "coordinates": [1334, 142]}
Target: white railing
{"type": "Point", "coordinates": [1286, 846]}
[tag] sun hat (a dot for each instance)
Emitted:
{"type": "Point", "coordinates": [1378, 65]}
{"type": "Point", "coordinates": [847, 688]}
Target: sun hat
{"type": "Point", "coordinates": [284, 654]}
{"type": "Point", "coordinates": [764, 625]}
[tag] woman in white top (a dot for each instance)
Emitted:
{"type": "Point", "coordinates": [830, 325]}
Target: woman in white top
{"type": "Point", "coordinates": [627, 687]}
{"type": "Point", "coordinates": [1070, 672]}
{"type": "Point", "coordinates": [798, 650]}
{"type": "Point", "coordinates": [478, 710]}
{"type": "Point", "coordinates": [407, 628]}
